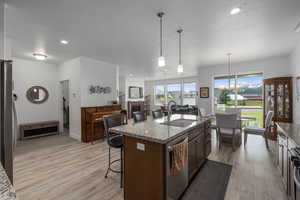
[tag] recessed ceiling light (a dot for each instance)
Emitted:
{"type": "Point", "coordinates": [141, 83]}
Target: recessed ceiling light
{"type": "Point", "coordinates": [131, 75]}
{"type": "Point", "coordinates": [40, 56]}
{"type": "Point", "coordinates": [64, 42]}
{"type": "Point", "coordinates": [235, 11]}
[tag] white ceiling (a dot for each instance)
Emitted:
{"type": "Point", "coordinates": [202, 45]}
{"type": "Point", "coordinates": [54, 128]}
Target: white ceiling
{"type": "Point", "coordinates": [126, 32]}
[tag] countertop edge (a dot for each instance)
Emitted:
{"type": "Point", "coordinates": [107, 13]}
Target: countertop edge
{"type": "Point", "coordinates": [7, 191]}
{"type": "Point", "coordinates": [293, 133]}
{"type": "Point", "coordinates": [157, 140]}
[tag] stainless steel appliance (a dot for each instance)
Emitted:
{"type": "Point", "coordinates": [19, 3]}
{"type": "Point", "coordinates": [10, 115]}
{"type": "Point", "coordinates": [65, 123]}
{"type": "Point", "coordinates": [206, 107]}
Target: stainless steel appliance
{"type": "Point", "coordinates": [7, 136]}
{"type": "Point", "coordinates": [295, 174]}
{"type": "Point", "coordinates": [177, 184]}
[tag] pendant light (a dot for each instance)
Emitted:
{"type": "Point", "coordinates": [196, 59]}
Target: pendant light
{"type": "Point", "coordinates": [180, 66]}
{"type": "Point", "coordinates": [161, 59]}
{"type": "Point", "coordinates": [229, 68]}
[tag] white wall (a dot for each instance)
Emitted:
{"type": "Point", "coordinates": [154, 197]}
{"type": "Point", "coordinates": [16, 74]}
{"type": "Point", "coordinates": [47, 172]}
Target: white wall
{"type": "Point", "coordinates": [122, 91]}
{"type": "Point", "coordinates": [271, 67]}
{"type": "Point", "coordinates": [135, 82]}
{"type": "Point", "coordinates": [30, 73]}
{"type": "Point", "coordinates": [2, 18]}
{"type": "Point", "coordinates": [94, 72]}
{"type": "Point", "coordinates": [83, 72]}
{"type": "Point", "coordinates": [70, 70]}
{"type": "Point", "coordinates": [295, 69]}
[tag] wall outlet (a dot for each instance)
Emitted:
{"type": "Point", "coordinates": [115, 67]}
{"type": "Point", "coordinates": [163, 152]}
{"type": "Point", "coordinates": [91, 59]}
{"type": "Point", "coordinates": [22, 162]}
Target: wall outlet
{"type": "Point", "coordinates": [140, 146]}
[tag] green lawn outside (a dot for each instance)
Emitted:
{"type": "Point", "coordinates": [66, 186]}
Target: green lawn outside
{"type": "Point", "coordinates": [254, 103]}
{"type": "Point", "coordinates": [245, 103]}
{"type": "Point", "coordinates": [257, 114]}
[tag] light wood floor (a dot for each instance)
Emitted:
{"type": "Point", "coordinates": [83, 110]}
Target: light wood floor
{"type": "Point", "coordinates": [61, 168]}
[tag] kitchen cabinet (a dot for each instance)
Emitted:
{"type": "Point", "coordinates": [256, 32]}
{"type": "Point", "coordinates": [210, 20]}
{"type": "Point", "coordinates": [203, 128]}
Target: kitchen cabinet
{"type": "Point", "coordinates": [278, 97]}
{"type": "Point", "coordinates": [192, 157]}
{"type": "Point", "coordinates": [283, 159]}
{"type": "Point", "coordinates": [148, 157]}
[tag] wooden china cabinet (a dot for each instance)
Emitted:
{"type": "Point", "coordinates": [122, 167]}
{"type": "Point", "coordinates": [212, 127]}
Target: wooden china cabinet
{"type": "Point", "coordinates": [278, 97]}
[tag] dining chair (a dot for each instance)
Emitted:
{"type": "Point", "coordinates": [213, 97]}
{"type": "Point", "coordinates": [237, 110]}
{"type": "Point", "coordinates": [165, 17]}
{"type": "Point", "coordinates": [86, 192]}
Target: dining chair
{"type": "Point", "coordinates": [138, 117]}
{"type": "Point", "coordinates": [201, 112]}
{"type": "Point", "coordinates": [260, 131]}
{"type": "Point", "coordinates": [157, 114]}
{"type": "Point", "coordinates": [231, 110]}
{"type": "Point", "coordinates": [238, 111]}
{"type": "Point", "coordinates": [227, 127]}
{"type": "Point", "coordinates": [114, 141]}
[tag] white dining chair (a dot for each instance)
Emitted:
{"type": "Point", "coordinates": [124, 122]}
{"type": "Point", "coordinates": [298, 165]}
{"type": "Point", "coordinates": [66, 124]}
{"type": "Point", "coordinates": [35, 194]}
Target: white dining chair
{"type": "Point", "coordinates": [260, 131]}
{"type": "Point", "coordinates": [226, 125]}
{"type": "Point", "coordinates": [201, 112]}
{"type": "Point", "coordinates": [231, 110]}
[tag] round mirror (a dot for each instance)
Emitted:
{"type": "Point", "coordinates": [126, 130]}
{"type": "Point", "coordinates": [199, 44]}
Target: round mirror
{"type": "Point", "coordinates": [37, 94]}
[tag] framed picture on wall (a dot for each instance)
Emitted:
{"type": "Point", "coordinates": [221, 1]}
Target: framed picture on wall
{"type": "Point", "coordinates": [135, 92]}
{"type": "Point", "coordinates": [204, 92]}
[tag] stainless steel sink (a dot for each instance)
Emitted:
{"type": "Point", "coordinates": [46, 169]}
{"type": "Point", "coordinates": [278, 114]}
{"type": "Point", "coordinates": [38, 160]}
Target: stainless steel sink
{"type": "Point", "coordinates": [179, 122]}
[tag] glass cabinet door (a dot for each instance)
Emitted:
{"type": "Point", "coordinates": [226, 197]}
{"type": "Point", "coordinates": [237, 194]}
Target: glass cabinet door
{"type": "Point", "coordinates": [287, 101]}
{"type": "Point", "coordinates": [269, 95]}
{"type": "Point", "coordinates": [280, 100]}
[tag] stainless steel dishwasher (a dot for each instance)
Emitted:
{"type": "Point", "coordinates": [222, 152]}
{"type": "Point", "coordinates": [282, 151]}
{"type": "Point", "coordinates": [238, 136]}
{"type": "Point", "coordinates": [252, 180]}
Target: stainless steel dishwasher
{"type": "Point", "coordinates": [177, 184]}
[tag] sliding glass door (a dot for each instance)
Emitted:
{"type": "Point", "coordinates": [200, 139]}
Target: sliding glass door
{"type": "Point", "coordinates": [224, 93]}
{"type": "Point", "coordinates": [243, 92]}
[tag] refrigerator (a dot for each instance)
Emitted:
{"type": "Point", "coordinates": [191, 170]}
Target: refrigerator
{"type": "Point", "coordinates": [7, 130]}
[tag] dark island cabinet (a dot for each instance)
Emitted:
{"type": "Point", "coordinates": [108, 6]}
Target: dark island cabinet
{"type": "Point", "coordinates": [199, 148]}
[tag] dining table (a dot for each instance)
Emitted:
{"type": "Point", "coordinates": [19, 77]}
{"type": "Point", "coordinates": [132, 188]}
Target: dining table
{"type": "Point", "coordinates": [244, 120]}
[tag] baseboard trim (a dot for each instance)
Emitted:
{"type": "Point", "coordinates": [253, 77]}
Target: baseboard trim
{"type": "Point", "coordinates": [75, 136]}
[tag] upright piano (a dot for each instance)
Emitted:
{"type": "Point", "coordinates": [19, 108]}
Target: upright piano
{"type": "Point", "coordinates": [92, 127]}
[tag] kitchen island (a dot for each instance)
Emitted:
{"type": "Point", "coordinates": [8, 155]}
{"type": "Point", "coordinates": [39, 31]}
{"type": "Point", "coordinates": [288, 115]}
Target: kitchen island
{"type": "Point", "coordinates": [147, 150]}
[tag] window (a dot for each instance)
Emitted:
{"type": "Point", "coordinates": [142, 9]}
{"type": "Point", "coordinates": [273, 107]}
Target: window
{"type": "Point", "coordinates": [159, 92]}
{"type": "Point", "coordinates": [240, 91]}
{"type": "Point", "coordinates": [174, 93]}
{"type": "Point", "coordinates": [181, 93]}
{"type": "Point", "coordinates": [189, 93]}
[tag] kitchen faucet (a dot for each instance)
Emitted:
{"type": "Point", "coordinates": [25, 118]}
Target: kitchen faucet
{"type": "Point", "coordinates": [169, 109]}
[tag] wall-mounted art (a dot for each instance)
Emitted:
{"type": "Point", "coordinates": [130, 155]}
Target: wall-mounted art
{"type": "Point", "coordinates": [204, 92]}
{"type": "Point", "coordinates": [99, 90]}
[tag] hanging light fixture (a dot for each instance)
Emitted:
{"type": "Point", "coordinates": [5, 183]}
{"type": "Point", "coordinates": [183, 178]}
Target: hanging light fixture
{"type": "Point", "coordinates": [161, 59]}
{"type": "Point", "coordinates": [229, 68]}
{"type": "Point", "coordinates": [180, 66]}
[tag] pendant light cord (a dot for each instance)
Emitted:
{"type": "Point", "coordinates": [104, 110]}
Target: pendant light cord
{"type": "Point", "coordinates": [229, 64]}
{"type": "Point", "coordinates": [180, 31]}
{"type": "Point", "coordinates": [161, 37]}
{"type": "Point", "coordinates": [229, 69]}
{"type": "Point", "coordinates": [160, 15]}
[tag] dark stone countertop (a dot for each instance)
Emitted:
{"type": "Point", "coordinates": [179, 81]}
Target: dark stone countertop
{"type": "Point", "coordinates": [291, 130]}
{"type": "Point", "coordinates": [154, 131]}
{"type": "Point", "coordinates": [6, 190]}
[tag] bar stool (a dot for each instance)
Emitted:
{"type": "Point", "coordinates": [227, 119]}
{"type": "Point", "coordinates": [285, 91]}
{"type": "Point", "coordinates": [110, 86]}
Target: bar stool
{"type": "Point", "coordinates": [157, 114]}
{"type": "Point", "coordinates": [138, 117]}
{"type": "Point", "coordinates": [114, 141]}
